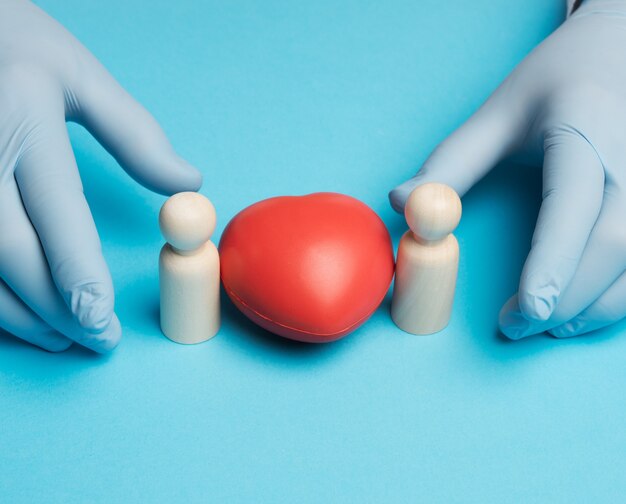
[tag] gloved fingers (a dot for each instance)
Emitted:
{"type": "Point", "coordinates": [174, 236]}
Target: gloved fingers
{"type": "Point", "coordinates": [20, 321]}
{"type": "Point", "coordinates": [512, 322]}
{"type": "Point", "coordinates": [131, 134]}
{"type": "Point", "coordinates": [608, 309]}
{"type": "Point", "coordinates": [573, 185]}
{"type": "Point", "coordinates": [470, 152]}
{"type": "Point", "coordinates": [602, 263]}
{"type": "Point", "coordinates": [51, 193]}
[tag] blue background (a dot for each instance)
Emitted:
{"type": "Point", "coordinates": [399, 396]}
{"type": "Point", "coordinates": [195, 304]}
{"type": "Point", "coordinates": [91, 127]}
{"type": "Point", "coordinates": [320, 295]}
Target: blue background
{"type": "Point", "coordinates": [291, 97]}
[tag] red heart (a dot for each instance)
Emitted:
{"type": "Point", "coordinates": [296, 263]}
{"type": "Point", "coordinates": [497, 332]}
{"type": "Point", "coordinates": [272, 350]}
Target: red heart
{"type": "Point", "coordinates": [310, 268]}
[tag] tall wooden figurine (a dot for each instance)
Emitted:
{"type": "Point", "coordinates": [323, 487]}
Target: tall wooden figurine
{"type": "Point", "coordinates": [427, 262]}
{"type": "Point", "coordinates": [189, 269]}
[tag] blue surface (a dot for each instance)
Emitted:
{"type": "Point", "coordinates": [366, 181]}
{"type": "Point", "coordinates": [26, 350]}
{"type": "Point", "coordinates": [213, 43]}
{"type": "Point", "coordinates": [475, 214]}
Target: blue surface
{"type": "Point", "coordinates": [283, 97]}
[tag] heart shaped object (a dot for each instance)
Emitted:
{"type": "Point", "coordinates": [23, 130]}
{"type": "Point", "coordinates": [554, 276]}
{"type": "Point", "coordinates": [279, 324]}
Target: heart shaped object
{"type": "Point", "coordinates": [310, 268]}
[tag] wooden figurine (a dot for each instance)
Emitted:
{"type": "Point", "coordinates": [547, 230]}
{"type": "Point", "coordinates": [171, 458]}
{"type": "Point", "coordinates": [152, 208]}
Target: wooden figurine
{"type": "Point", "coordinates": [189, 269]}
{"type": "Point", "coordinates": [427, 262]}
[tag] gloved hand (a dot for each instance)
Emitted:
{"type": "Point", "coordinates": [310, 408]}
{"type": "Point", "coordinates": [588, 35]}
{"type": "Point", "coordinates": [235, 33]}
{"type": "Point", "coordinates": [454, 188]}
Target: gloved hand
{"type": "Point", "coordinates": [55, 287]}
{"type": "Point", "coordinates": [565, 103]}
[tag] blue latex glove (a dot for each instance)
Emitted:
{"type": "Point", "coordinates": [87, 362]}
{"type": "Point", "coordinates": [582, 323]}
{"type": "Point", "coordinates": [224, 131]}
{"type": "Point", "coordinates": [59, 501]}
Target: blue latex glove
{"type": "Point", "coordinates": [55, 287]}
{"type": "Point", "coordinates": [565, 104]}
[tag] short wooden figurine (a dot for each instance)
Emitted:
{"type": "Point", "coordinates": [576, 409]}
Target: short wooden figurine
{"type": "Point", "coordinates": [427, 262]}
{"type": "Point", "coordinates": [189, 269]}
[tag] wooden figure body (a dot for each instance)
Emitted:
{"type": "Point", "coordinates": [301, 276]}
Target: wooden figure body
{"type": "Point", "coordinates": [189, 269]}
{"type": "Point", "coordinates": [427, 262]}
